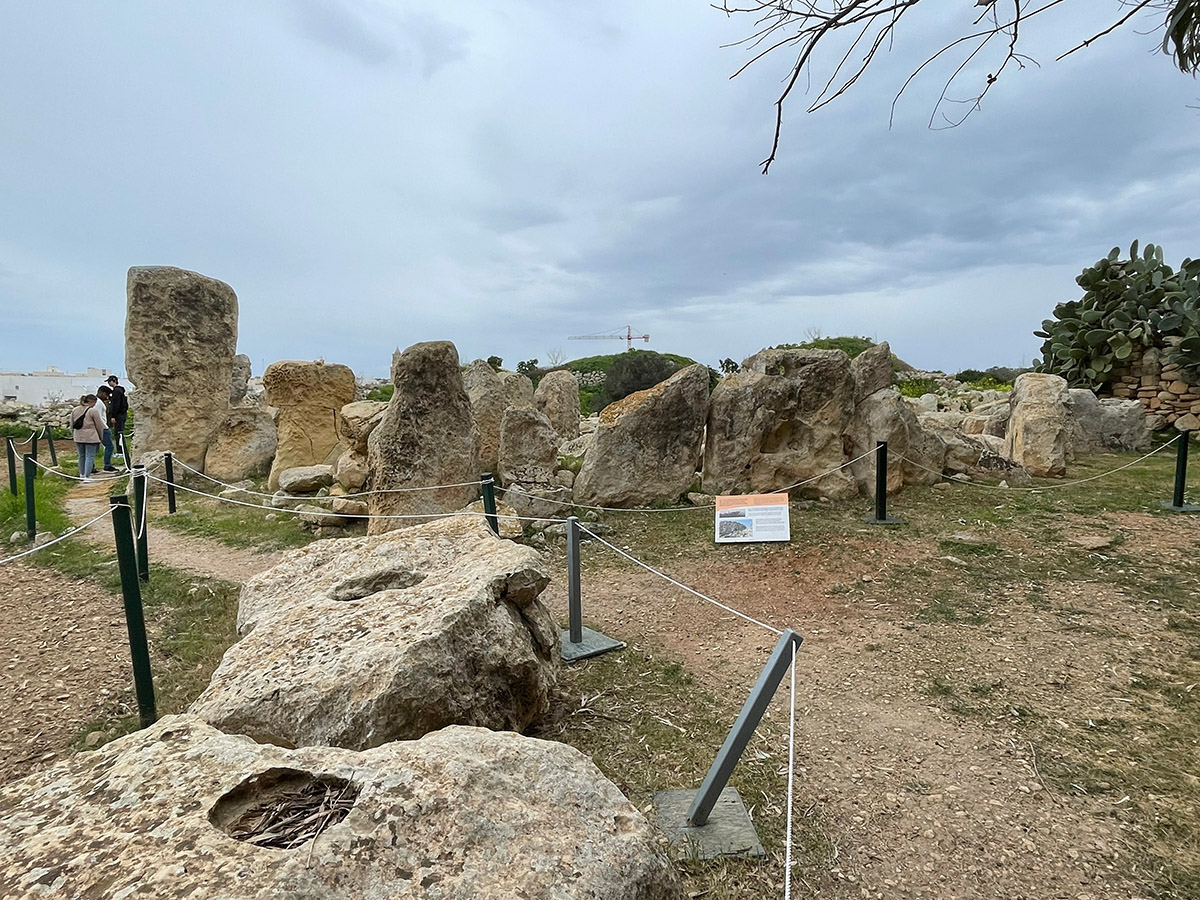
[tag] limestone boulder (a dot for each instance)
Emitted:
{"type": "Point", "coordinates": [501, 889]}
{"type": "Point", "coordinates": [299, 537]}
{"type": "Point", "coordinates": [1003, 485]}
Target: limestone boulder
{"type": "Point", "coordinates": [647, 446]}
{"type": "Point", "coordinates": [358, 641]}
{"type": "Point", "coordinates": [518, 389]}
{"type": "Point", "coordinates": [308, 396]}
{"type": "Point", "coordinates": [356, 421]}
{"type": "Point", "coordinates": [239, 380]}
{"type": "Point", "coordinates": [427, 437]}
{"type": "Point", "coordinates": [528, 448]}
{"type": "Point", "coordinates": [557, 397]}
{"type": "Point", "coordinates": [1098, 424]}
{"type": "Point", "coordinates": [182, 810]}
{"type": "Point", "coordinates": [305, 479]}
{"type": "Point", "coordinates": [779, 421]}
{"type": "Point", "coordinates": [872, 371]}
{"type": "Point", "coordinates": [1039, 425]}
{"type": "Point", "coordinates": [243, 447]}
{"type": "Point", "coordinates": [535, 501]}
{"type": "Point", "coordinates": [350, 471]}
{"type": "Point", "coordinates": [489, 400]}
{"type": "Point", "coordinates": [914, 457]}
{"type": "Point", "coordinates": [180, 340]}
{"type": "Point", "coordinates": [578, 447]}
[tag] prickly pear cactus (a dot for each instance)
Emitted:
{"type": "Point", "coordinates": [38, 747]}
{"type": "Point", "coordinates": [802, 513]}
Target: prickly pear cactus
{"type": "Point", "coordinates": [1127, 306]}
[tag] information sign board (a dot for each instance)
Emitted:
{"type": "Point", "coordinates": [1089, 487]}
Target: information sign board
{"type": "Point", "coordinates": [746, 518]}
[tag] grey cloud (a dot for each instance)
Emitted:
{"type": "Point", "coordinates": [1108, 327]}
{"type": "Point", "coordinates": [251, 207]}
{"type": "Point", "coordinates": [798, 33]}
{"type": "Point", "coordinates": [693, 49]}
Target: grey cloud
{"type": "Point", "coordinates": [335, 25]}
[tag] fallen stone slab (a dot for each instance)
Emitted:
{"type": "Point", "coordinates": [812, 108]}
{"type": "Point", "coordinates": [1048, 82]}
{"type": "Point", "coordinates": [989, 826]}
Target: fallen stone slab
{"type": "Point", "coordinates": [183, 810]}
{"type": "Point", "coordinates": [354, 642]}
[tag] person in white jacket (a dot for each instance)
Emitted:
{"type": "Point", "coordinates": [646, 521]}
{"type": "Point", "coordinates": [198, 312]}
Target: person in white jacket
{"type": "Point", "coordinates": [87, 426]}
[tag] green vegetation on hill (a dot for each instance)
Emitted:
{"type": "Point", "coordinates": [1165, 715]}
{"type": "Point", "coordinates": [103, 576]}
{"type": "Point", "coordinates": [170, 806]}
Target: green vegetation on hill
{"type": "Point", "coordinates": [851, 345]}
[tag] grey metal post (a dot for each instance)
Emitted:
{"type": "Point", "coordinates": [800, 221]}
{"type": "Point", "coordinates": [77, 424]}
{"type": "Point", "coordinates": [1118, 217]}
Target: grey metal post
{"type": "Point", "coordinates": [488, 485]}
{"type": "Point", "coordinates": [11, 452]}
{"type": "Point", "coordinates": [135, 621]}
{"type": "Point", "coordinates": [574, 602]}
{"type": "Point", "coordinates": [739, 736]}
{"type": "Point", "coordinates": [140, 524]}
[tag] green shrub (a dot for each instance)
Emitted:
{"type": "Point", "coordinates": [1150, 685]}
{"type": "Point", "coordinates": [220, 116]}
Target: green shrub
{"type": "Point", "coordinates": [915, 387]}
{"type": "Point", "coordinates": [635, 371]}
{"type": "Point", "coordinates": [382, 394]}
{"type": "Point", "coordinates": [968, 375]}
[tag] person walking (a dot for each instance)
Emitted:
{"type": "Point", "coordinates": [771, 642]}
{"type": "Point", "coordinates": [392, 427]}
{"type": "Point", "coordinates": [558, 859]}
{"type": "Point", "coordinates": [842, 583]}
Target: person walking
{"type": "Point", "coordinates": [104, 395]}
{"type": "Point", "coordinates": [118, 412]}
{"type": "Point", "coordinates": [86, 428]}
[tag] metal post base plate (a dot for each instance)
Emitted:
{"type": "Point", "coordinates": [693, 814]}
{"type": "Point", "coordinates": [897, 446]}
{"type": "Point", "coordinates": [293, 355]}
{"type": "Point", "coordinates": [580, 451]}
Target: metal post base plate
{"type": "Point", "coordinates": [593, 644]}
{"type": "Point", "coordinates": [871, 520]}
{"type": "Point", "coordinates": [728, 832]}
{"type": "Point", "coordinates": [1187, 507]}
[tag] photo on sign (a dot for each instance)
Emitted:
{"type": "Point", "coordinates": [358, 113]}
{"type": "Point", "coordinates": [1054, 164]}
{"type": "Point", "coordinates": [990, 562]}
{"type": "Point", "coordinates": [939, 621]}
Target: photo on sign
{"type": "Point", "coordinates": [736, 529]}
{"type": "Point", "coordinates": [732, 514]}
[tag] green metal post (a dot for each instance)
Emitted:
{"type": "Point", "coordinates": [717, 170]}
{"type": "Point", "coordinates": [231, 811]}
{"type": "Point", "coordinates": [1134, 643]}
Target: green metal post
{"type": "Point", "coordinates": [33, 450]}
{"type": "Point", "coordinates": [139, 524]}
{"type": "Point", "coordinates": [50, 444]}
{"type": "Point", "coordinates": [11, 452]}
{"type": "Point", "coordinates": [489, 501]}
{"type": "Point", "coordinates": [135, 621]}
{"type": "Point", "coordinates": [30, 512]}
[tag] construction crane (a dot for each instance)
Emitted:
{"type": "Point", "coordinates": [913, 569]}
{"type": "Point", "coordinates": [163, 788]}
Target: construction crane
{"type": "Point", "coordinates": [628, 337]}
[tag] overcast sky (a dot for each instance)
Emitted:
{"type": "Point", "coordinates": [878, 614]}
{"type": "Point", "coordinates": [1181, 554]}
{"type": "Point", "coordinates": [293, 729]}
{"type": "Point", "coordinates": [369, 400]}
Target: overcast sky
{"type": "Point", "coordinates": [367, 174]}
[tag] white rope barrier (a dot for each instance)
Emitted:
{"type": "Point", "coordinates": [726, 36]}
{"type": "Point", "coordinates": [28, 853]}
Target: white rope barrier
{"type": "Point", "coordinates": [63, 537]}
{"type": "Point", "coordinates": [363, 516]}
{"type": "Point", "coordinates": [1047, 487]}
{"type": "Point", "coordinates": [91, 479]}
{"type": "Point", "coordinates": [823, 474]}
{"type": "Point", "coordinates": [234, 487]}
{"type": "Point", "coordinates": [787, 853]}
{"type": "Point", "coordinates": [634, 559]}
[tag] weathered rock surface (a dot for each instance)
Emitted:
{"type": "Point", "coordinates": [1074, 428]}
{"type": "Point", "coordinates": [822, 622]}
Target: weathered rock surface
{"type": "Point", "coordinates": [351, 470]}
{"type": "Point", "coordinates": [884, 416]}
{"type": "Point", "coordinates": [872, 371]}
{"type": "Point", "coordinates": [463, 814]}
{"type": "Point", "coordinates": [557, 396]}
{"type": "Point", "coordinates": [356, 421]}
{"type": "Point", "coordinates": [1039, 425]}
{"type": "Point", "coordinates": [309, 396]}
{"type": "Point", "coordinates": [647, 446]}
{"type": "Point", "coordinates": [489, 399]}
{"type": "Point", "coordinates": [1105, 424]}
{"type": "Point", "coordinates": [518, 389]}
{"type": "Point", "coordinates": [305, 479]}
{"type": "Point", "coordinates": [426, 437]}
{"type": "Point", "coordinates": [180, 339]}
{"type": "Point", "coordinates": [780, 420]}
{"type": "Point", "coordinates": [528, 448]}
{"type": "Point", "coordinates": [243, 446]}
{"type": "Point", "coordinates": [359, 641]}
{"type": "Point", "coordinates": [240, 379]}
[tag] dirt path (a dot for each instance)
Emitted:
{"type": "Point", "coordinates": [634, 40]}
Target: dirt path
{"type": "Point", "coordinates": [189, 553]}
{"type": "Point", "coordinates": [915, 800]}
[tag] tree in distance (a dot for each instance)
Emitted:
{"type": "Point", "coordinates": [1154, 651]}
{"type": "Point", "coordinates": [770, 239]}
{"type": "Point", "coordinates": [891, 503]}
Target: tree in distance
{"type": "Point", "coordinates": [852, 32]}
{"type": "Point", "coordinates": [636, 371]}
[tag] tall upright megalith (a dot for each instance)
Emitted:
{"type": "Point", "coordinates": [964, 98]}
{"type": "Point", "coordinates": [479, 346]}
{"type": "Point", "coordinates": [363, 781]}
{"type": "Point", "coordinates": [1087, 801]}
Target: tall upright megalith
{"type": "Point", "coordinates": [309, 396]}
{"type": "Point", "coordinates": [427, 438]}
{"type": "Point", "coordinates": [180, 340]}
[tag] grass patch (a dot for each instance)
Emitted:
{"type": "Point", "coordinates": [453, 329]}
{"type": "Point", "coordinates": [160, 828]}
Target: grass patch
{"type": "Point", "coordinates": [240, 526]}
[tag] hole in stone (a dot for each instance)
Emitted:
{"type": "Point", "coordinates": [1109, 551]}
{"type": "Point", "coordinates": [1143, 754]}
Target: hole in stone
{"type": "Point", "coordinates": [366, 585]}
{"type": "Point", "coordinates": [283, 808]}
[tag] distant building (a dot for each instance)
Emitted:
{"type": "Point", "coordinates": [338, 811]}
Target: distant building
{"type": "Point", "coordinates": [51, 385]}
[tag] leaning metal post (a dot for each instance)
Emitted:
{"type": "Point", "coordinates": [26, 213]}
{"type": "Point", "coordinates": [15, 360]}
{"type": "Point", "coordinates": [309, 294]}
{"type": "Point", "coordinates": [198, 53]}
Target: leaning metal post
{"type": "Point", "coordinates": [488, 484]}
{"type": "Point", "coordinates": [50, 444]}
{"type": "Point", "coordinates": [30, 510]}
{"type": "Point", "coordinates": [739, 736]}
{"type": "Point", "coordinates": [141, 514]}
{"type": "Point", "coordinates": [135, 622]}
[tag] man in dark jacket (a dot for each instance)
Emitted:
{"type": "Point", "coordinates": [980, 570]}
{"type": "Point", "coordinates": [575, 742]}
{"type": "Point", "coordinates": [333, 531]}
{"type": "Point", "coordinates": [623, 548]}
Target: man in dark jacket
{"type": "Point", "coordinates": [118, 412]}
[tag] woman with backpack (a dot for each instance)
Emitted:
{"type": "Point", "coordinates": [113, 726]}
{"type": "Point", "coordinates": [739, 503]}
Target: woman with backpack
{"type": "Point", "coordinates": [87, 426]}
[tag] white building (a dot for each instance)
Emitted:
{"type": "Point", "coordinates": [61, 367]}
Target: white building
{"type": "Point", "coordinates": [51, 385]}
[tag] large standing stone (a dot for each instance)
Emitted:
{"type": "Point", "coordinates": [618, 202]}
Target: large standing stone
{"type": "Point", "coordinates": [528, 448]}
{"type": "Point", "coordinates": [1105, 424]}
{"type": "Point", "coordinates": [557, 396]}
{"type": "Point", "coordinates": [359, 641]}
{"type": "Point", "coordinates": [914, 455]}
{"type": "Point", "coordinates": [872, 371]}
{"type": "Point", "coordinates": [243, 447]}
{"type": "Point", "coordinates": [648, 444]}
{"type": "Point", "coordinates": [239, 381]}
{"type": "Point", "coordinates": [180, 339]}
{"type": "Point", "coordinates": [490, 396]}
{"type": "Point", "coordinates": [518, 389]}
{"type": "Point", "coordinates": [426, 437]}
{"type": "Point", "coordinates": [779, 421]}
{"type": "Point", "coordinates": [170, 812]}
{"type": "Point", "coordinates": [309, 396]}
{"type": "Point", "coordinates": [1039, 424]}
{"type": "Point", "coordinates": [356, 421]}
